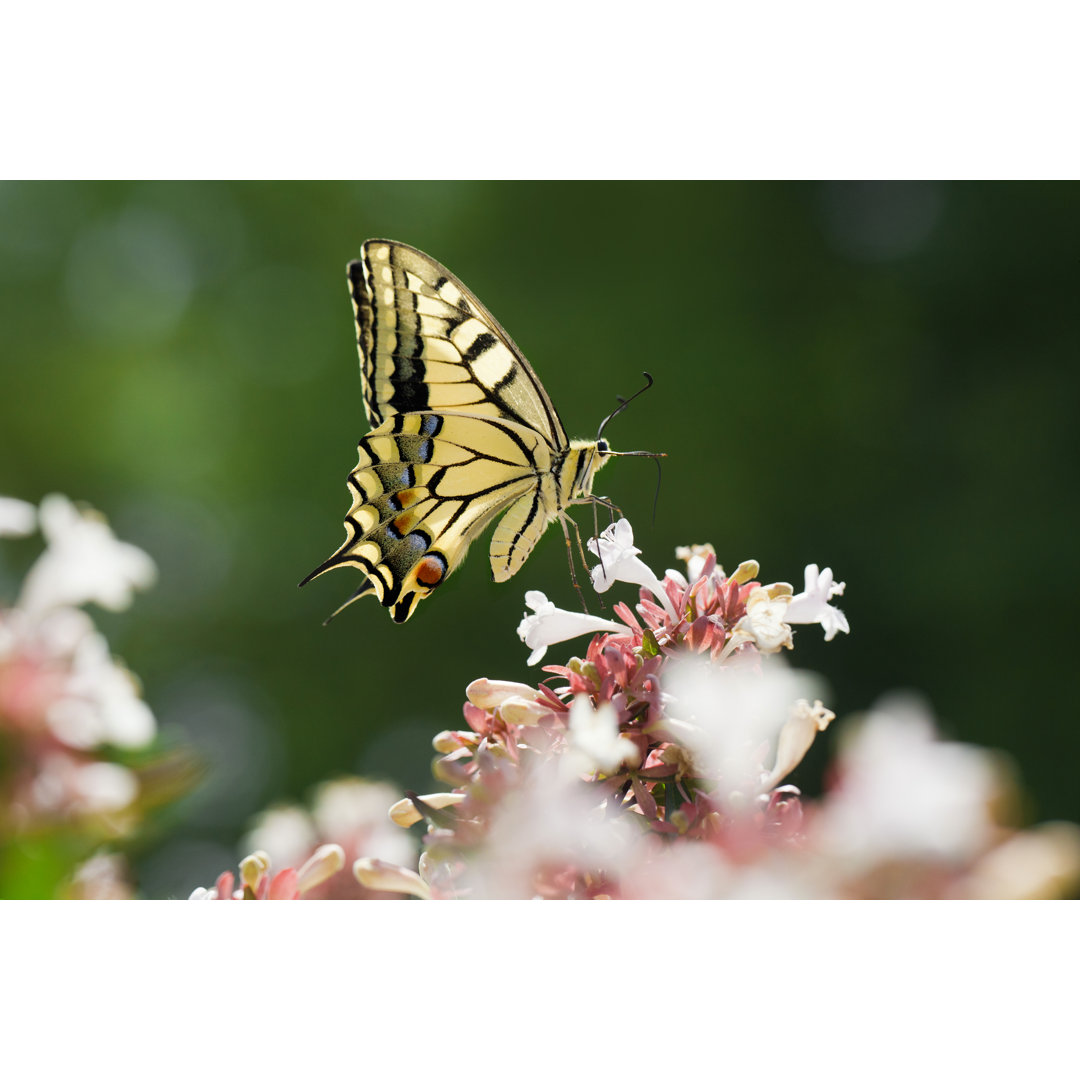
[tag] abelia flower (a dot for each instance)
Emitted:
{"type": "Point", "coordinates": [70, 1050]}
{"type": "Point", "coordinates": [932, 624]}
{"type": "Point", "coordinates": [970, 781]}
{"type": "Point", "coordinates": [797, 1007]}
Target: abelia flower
{"type": "Point", "coordinates": [796, 737]}
{"type": "Point", "coordinates": [17, 518]}
{"type": "Point", "coordinates": [903, 793]}
{"type": "Point", "coordinates": [764, 623]}
{"type": "Point", "coordinates": [549, 625]}
{"type": "Point", "coordinates": [595, 744]}
{"type": "Point", "coordinates": [350, 813]}
{"type": "Point", "coordinates": [103, 876]}
{"type": "Point", "coordinates": [257, 882]}
{"type": "Point", "coordinates": [619, 561]}
{"type": "Point", "coordinates": [695, 557]}
{"type": "Point", "coordinates": [657, 764]}
{"type": "Point", "coordinates": [83, 562]}
{"type": "Point", "coordinates": [812, 604]}
{"type": "Point", "coordinates": [380, 876]}
{"type": "Point", "coordinates": [68, 709]}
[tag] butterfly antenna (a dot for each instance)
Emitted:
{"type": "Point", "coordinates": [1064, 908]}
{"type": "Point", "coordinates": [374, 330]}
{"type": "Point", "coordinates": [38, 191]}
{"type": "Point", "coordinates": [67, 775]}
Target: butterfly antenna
{"type": "Point", "coordinates": [623, 402]}
{"type": "Point", "coordinates": [656, 497]}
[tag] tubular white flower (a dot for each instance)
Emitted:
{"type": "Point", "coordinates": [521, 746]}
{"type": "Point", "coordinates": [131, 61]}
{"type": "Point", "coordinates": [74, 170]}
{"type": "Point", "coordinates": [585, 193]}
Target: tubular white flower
{"type": "Point", "coordinates": [796, 737]}
{"type": "Point", "coordinates": [515, 702]}
{"type": "Point", "coordinates": [352, 811]}
{"type": "Point", "coordinates": [83, 561]}
{"type": "Point", "coordinates": [102, 787]}
{"type": "Point", "coordinates": [812, 604]}
{"type": "Point", "coordinates": [728, 717]}
{"type": "Point", "coordinates": [1041, 864]}
{"type": "Point", "coordinates": [694, 555]}
{"type": "Point", "coordinates": [765, 620]}
{"type": "Point", "coordinates": [491, 693]}
{"type": "Point", "coordinates": [619, 562]}
{"type": "Point", "coordinates": [100, 702]}
{"type": "Point", "coordinates": [903, 793]}
{"type": "Point", "coordinates": [285, 833]}
{"type": "Point", "coordinates": [404, 812]}
{"type": "Point", "coordinates": [324, 863]}
{"type": "Point", "coordinates": [595, 741]}
{"type": "Point", "coordinates": [551, 625]}
{"type": "Point", "coordinates": [17, 518]}
{"type": "Point", "coordinates": [385, 877]}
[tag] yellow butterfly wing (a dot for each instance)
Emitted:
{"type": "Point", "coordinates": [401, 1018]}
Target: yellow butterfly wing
{"type": "Point", "coordinates": [463, 430]}
{"type": "Point", "coordinates": [427, 343]}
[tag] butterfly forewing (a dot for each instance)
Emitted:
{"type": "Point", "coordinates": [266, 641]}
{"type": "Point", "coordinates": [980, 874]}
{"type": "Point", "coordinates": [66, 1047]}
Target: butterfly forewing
{"type": "Point", "coordinates": [426, 342]}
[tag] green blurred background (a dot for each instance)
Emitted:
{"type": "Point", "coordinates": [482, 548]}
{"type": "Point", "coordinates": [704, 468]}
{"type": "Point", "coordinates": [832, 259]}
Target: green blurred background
{"type": "Point", "coordinates": [878, 377]}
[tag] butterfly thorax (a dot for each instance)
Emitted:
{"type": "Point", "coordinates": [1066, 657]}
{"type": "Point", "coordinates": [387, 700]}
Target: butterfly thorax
{"type": "Point", "coordinates": [579, 465]}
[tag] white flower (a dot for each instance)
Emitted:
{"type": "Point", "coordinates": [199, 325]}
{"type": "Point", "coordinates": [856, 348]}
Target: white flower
{"type": "Point", "coordinates": [492, 693]}
{"type": "Point", "coordinates": [549, 820]}
{"type": "Point", "coordinates": [352, 812]}
{"type": "Point", "coordinates": [83, 561]}
{"type": "Point", "coordinates": [515, 702]}
{"type": "Point", "coordinates": [812, 604]}
{"type": "Point", "coordinates": [550, 625]}
{"type": "Point", "coordinates": [99, 702]}
{"type": "Point", "coordinates": [17, 518]}
{"type": "Point", "coordinates": [764, 623]}
{"type": "Point", "coordinates": [285, 833]}
{"type": "Point", "coordinates": [728, 718]}
{"type": "Point", "coordinates": [1041, 864]}
{"type": "Point", "coordinates": [324, 863]}
{"type": "Point", "coordinates": [619, 562]}
{"type": "Point", "coordinates": [694, 556]}
{"type": "Point", "coordinates": [796, 737]}
{"type": "Point", "coordinates": [404, 812]}
{"type": "Point", "coordinates": [382, 876]}
{"type": "Point", "coordinates": [595, 744]}
{"type": "Point", "coordinates": [64, 785]}
{"type": "Point", "coordinates": [903, 793]}
{"type": "Point", "coordinates": [103, 787]}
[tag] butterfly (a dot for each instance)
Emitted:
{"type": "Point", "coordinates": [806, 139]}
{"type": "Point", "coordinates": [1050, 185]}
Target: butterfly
{"type": "Point", "coordinates": [462, 431]}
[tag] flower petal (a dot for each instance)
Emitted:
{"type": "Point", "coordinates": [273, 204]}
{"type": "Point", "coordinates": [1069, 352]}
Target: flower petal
{"type": "Point", "coordinates": [550, 625]}
{"type": "Point", "coordinates": [385, 877]}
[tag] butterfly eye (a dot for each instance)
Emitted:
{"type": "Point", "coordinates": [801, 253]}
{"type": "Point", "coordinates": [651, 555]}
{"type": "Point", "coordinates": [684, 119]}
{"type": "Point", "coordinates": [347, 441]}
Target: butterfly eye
{"type": "Point", "coordinates": [602, 446]}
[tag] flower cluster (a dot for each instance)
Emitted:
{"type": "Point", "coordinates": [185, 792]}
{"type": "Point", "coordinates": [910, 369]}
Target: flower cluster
{"type": "Point", "coordinates": [347, 824]}
{"type": "Point", "coordinates": [74, 729]}
{"type": "Point", "coordinates": [656, 765]}
{"type": "Point", "coordinates": [63, 698]}
{"type": "Point", "coordinates": [257, 883]}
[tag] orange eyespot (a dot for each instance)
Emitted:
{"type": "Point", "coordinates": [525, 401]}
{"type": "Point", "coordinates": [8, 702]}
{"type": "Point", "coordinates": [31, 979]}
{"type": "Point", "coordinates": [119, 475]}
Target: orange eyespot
{"type": "Point", "coordinates": [430, 570]}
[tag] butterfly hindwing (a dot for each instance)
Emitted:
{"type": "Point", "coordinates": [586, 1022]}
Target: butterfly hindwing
{"type": "Point", "coordinates": [424, 486]}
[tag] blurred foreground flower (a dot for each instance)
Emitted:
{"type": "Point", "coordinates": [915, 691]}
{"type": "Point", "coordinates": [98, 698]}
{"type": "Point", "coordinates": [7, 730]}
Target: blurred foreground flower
{"type": "Point", "coordinates": [349, 813]}
{"type": "Point", "coordinates": [77, 766]}
{"type": "Point", "coordinates": [656, 765]}
{"type": "Point", "coordinates": [257, 883]}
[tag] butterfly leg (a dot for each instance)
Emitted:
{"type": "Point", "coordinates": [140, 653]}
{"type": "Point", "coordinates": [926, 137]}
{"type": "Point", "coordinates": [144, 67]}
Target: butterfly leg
{"type": "Point", "coordinates": [612, 508]}
{"type": "Point", "coordinates": [563, 519]}
{"type": "Point", "coordinates": [599, 500]}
